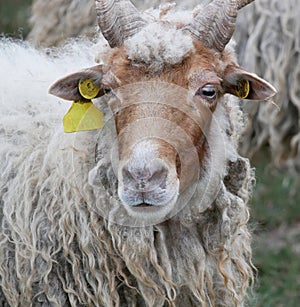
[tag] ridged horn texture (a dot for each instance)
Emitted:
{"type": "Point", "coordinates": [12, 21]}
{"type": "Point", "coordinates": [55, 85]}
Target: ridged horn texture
{"type": "Point", "coordinates": [215, 24]}
{"type": "Point", "coordinates": [118, 20]}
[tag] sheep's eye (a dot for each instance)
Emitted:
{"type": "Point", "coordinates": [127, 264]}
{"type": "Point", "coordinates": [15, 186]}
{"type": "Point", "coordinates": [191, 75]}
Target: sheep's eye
{"type": "Point", "coordinates": [208, 92]}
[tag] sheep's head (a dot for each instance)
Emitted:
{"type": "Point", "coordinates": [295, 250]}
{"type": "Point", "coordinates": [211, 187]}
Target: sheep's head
{"type": "Point", "coordinates": [165, 82]}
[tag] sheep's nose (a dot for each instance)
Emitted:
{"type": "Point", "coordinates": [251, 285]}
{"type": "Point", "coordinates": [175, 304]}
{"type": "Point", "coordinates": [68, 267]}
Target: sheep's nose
{"type": "Point", "coordinates": [145, 178]}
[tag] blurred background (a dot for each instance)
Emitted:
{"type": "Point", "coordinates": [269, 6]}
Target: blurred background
{"type": "Point", "coordinates": [14, 17]}
{"type": "Point", "coordinates": [271, 139]}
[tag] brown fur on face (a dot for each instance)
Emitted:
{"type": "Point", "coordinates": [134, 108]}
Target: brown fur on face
{"type": "Point", "coordinates": [128, 72]}
{"type": "Point", "coordinates": [202, 66]}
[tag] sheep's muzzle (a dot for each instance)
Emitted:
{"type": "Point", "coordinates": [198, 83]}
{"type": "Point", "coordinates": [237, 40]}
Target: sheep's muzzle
{"type": "Point", "coordinates": [159, 148]}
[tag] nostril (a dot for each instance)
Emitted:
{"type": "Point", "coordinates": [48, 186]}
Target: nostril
{"type": "Point", "coordinates": [127, 176]}
{"type": "Point", "coordinates": [136, 174]}
{"type": "Point", "coordinates": [159, 174]}
{"type": "Point", "coordinates": [159, 177]}
{"type": "Point", "coordinates": [146, 177]}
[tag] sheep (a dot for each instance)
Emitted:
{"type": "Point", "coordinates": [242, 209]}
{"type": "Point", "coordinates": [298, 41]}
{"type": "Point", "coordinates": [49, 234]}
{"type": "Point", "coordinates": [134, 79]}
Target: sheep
{"type": "Point", "coordinates": [268, 44]}
{"type": "Point", "coordinates": [150, 208]}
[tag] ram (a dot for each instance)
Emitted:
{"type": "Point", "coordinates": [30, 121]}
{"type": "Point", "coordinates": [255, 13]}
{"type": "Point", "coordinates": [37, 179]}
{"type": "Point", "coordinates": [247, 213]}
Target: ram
{"type": "Point", "coordinates": [267, 33]}
{"type": "Point", "coordinates": [146, 203]}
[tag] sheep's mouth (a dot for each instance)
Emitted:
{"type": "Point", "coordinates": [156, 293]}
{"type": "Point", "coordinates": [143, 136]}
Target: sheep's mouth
{"type": "Point", "coordinates": [143, 206]}
{"type": "Point", "coordinates": [146, 208]}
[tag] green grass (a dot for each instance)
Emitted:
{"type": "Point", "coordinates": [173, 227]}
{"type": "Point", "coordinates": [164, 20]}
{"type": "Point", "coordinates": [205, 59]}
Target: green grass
{"type": "Point", "coordinates": [276, 198]}
{"type": "Point", "coordinates": [278, 278]}
{"type": "Point", "coordinates": [275, 210]}
{"type": "Point", "coordinates": [14, 15]}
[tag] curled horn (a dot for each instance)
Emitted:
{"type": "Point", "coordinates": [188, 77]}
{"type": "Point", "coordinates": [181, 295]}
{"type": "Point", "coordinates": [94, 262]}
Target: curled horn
{"type": "Point", "coordinates": [215, 24]}
{"type": "Point", "coordinates": [118, 20]}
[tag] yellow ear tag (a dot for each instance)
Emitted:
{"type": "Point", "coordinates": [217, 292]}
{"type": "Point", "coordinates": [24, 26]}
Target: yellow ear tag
{"type": "Point", "coordinates": [243, 89]}
{"type": "Point", "coordinates": [83, 116]}
{"type": "Point", "coordinates": [88, 89]}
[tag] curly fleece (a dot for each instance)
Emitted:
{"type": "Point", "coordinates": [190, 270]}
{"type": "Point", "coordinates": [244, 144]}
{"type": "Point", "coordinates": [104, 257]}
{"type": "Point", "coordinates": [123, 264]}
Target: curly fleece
{"type": "Point", "coordinates": [59, 245]}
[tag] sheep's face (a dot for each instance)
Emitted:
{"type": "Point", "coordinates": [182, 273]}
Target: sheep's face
{"type": "Point", "coordinates": [165, 80]}
{"type": "Point", "coordinates": [161, 118]}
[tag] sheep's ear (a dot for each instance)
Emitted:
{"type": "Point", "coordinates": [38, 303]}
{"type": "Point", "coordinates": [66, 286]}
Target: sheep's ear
{"type": "Point", "coordinates": [68, 87]}
{"type": "Point", "coordinates": [246, 85]}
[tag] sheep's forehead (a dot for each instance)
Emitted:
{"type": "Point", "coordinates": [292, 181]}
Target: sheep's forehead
{"type": "Point", "coordinates": [198, 62]}
{"type": "Point", "coordinates": [159, 45]}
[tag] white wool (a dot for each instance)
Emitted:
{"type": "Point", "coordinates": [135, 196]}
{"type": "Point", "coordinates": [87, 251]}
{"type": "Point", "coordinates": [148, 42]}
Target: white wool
{"type": "Point", "coordinates": [27, 74]}
{"type": "Point", "coordinates": [55, 247]}
{"type": "Point", "coordinates": [158, 45]}
{"type": "Point", "coordinates": [31, 119]}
